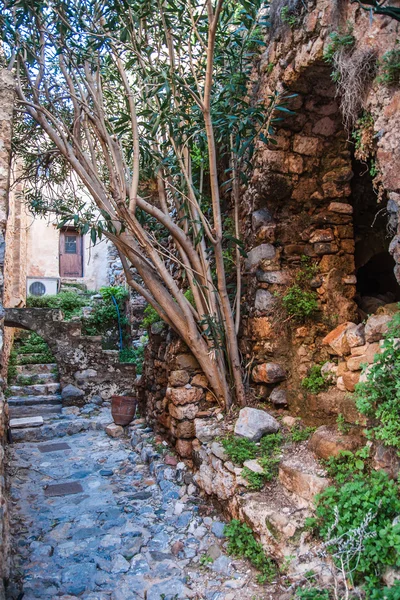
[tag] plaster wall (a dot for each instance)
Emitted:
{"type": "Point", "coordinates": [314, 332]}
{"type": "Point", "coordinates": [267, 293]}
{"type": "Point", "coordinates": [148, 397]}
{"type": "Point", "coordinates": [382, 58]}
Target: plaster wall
{"type": "Point", "coordinates": [42, 254]}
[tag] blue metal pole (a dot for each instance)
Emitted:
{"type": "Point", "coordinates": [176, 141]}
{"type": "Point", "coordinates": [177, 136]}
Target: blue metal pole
{"type": "Point", "coordinates": [119, 321]}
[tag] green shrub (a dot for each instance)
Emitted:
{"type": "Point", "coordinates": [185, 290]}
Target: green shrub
{"type": "Point", "coordinates": [12, 371]}
{"type": "Point", "coordinates": [341, 424]}
{"type": "Point", "coordinates": [389, 67]}
{"type": "Point", "coordinates": [242, 543]}
{"type": "Point", "coordinates": [150, 316]}
{"type": "Point", "coordinates": [269, 444]}
{"type": "Point", "coordinates": [134, 355]}
{"type": "Point", "coordinates": [256, 481]}
{"type": "Point", "coordinates": [239, 449]}
{"type": "Point", "coordinates": [300, 433]}
{"type": "Point", "coordinates": [387, 593]}
{"type": "Point", "coordinates": [71, 303]}
{"type": "Point", "coordinates": [339, 40]}
{"type": "Point", "coordinates": [379, 396]}
{"type": "Point", "coordinates": [315, 382]}
{"type": "Point", "coordinates": [104, 314]}
{"type": "Point", "coordinates": [346, 464]}
{"type": "Point", "coordinates": [299, 303]}
{"type": "Point", "coordinates": [312, 594]}
{"type": "Point", "coordinates": [360, 513]}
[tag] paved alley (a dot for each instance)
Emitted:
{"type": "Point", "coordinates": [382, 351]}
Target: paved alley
{"type": "Point", "coordinates": [125, 526]}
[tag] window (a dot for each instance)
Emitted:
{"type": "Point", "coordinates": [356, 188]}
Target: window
{"type": "Point", "coordinates": [70, 244]}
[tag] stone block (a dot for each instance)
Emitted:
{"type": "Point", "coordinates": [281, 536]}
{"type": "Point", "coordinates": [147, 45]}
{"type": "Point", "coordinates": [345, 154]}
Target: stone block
{"type": "Point", "coordinates": [70, 392]}
{"type": "Point", "coordinates": [322, 235]}
{"type": "Point", "coordinates": [387, 459]}
{"type": "Point", "coordinates": [261, 218]}
{"type": "Point", "coordinates": [273, 277]}
{"type": "Point", "coordinates": [355, 363]}
{"type": "Point", "coordinates": [178, 378]}
{"type": "Point", "coordinates": [188, 411]}
{"type": "Point", "coordinates": [355, 335]}
{"type": "Point", "coordinates": [306, 145]}
{"type": "Point", "coordinates": [371, 351]}
{"type": "Point", "coordinates": [184, 395]}
{"type": "Point", "coordinates": [24, 422]}
{"type": "Point", "coordinates": [186, 361]}
{"type": "Point", "coordinates": [278, 397]}
{"type": "Point", "coordinates": [206, 430]}
{"type": "Point", "coordinates": [257, 254]}
{"type": "Point", "coordinates": [184, 448]}
{"type": "Point", "coordinates": [322, 248]}
{"type": "Point", "coordinates": [182, 429]}
{"type": "Point", "coordinates": [325, 126]}
{"type": "Point", "coordinates": [266, 233]}
{"type": "Point", "coordinates": [268, 373]}
{"type": "Point", "coordinates": [253, 465]}
{"type": "Point", "coordinates": [114, 431]}
{"type": "Point", "coordinates": [265, 301]}
{"type": "Point", "coordinates": [327, 442]}
{"type": "Point", "coordinates": [85, 374]}
{"type": "Point", "coordinates": [375, 327]}
{"type": "Point", "coordinates": [350, 380]}
{"type": "Point", "coordinates": [337, 339]}
{"type": "Point", "coordinates": [341, 207]}
{"type": "Point", "coordinates": [218, 451]}
{"type": "Point", "coordinates": [301, 483]}
{"type": "Point", "coordinates": [254, 423]}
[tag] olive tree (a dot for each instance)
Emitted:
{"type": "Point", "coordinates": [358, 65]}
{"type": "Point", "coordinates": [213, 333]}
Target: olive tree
{"type": "Point", "coordinates": [145, 109]}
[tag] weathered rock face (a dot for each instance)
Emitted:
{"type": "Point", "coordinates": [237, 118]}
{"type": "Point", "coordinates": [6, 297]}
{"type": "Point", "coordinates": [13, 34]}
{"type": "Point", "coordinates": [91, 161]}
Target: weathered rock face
{"type": "Point", "coordinates": [253, 424]}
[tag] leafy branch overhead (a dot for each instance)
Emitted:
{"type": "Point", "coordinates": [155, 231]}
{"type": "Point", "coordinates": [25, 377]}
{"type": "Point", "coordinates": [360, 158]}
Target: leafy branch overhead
{"type": "Point", "coordinates": [135, 124]}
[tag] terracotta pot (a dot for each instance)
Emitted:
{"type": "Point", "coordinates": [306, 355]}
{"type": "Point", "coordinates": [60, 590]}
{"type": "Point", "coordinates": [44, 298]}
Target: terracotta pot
{"type": "Point", "coordinates": [123, 409]}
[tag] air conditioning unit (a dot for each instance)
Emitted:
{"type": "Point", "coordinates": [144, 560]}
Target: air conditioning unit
{"type": "Point", "coordinates": [42, 286]}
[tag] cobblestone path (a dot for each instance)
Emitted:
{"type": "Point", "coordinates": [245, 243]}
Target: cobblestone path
{"type": "Point", "coordinates": [136, 530]}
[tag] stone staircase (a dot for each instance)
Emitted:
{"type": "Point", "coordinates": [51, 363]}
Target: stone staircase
{"type": "Point", "coordinates": [39, 400]}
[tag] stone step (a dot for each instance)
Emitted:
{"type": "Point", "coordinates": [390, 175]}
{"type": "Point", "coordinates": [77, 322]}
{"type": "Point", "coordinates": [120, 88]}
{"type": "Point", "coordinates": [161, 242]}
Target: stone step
{"type": "Point", "coordinates": [51, 430]}
{"type": "Point", "coordinates": [28, 370]}
{"type": "Point", "coordinates": [37, 389]}
{"type": "Point", "coordinates": [34, 411]}
{"type": "Point", "coordinates": [39, 378]}
{"type": "Point", "coordinates": [26, 358]}
{"type": "Point", "coordinates": [302, 476]}
{"type": "Point", "coordinates": [26, 422]}
{"type": "Point", "coordinates": [31, 400]}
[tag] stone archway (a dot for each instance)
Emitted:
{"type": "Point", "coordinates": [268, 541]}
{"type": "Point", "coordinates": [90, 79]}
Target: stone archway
{"type": "Point", "coordinates": [81, 360]}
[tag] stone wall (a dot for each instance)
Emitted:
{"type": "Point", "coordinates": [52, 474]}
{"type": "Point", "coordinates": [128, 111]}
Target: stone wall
{"type": "Point", "coordinates": [173, 390]}
{"type": "Point", "coordinates": [6, 116]}
{"type": "Point", "coordinates": [85, 369]}
{"type": "Point", "coordinates": [310, 197]}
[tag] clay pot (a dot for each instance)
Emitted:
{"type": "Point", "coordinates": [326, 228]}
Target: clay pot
{"type": "Point", "coordinates": [123, 409]}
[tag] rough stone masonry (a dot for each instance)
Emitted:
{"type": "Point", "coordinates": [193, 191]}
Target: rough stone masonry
{"type": "Point", "coordinates": [6, 115]}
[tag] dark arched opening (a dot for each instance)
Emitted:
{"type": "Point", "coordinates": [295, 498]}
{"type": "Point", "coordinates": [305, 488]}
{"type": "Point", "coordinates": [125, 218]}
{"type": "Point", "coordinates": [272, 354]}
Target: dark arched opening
{"type": "Point", "coordinates": [376, 281]}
